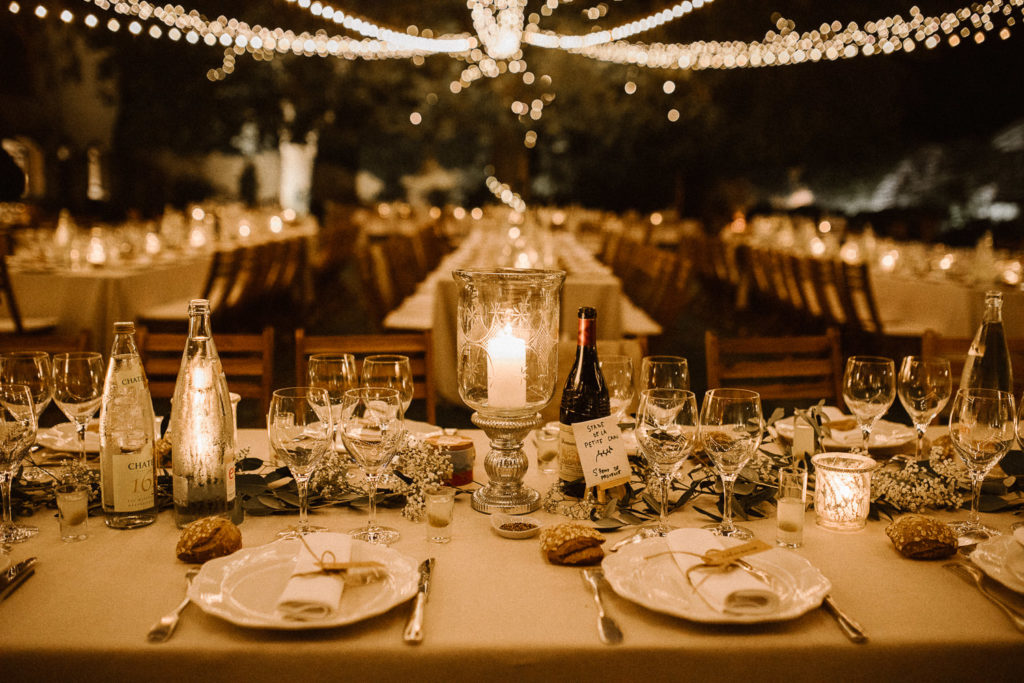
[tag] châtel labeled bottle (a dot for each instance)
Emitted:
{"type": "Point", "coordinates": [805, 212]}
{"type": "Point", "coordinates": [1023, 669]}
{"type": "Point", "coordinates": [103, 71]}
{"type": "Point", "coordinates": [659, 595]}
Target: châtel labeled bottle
{"type": "Point", "coordinates": [585, 396]}
{"type": "Point", "coordinates": [127, 456]}
{"type": "Point", "coordinates": [988, 359]}
{"type": "Point", "coordinates": [202, 428]}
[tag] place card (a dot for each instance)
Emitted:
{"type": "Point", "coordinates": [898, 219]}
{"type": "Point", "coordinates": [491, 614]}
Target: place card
{"type": "Point", "coordinates": [602, 453]}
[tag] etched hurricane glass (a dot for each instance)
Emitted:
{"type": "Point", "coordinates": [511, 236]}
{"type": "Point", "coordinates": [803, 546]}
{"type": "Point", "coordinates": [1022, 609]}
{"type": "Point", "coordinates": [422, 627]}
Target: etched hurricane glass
{"type": "Point", "coordinates": [924, 386]}
{"type": "Point", "coordinates": [982, 427]}
{"type": "Point", "coordinates": [731, 427]}
{"type": "Point", "coordinates": [869, 388]}
{"type": "Point", "coordinates": [17, 434]}
{"type": "Point", "coordinates": [372, 429]}
{"type": "Point", "coordinates": [667, 433]}
{"type": "Point", "coordinates": [299, 428]}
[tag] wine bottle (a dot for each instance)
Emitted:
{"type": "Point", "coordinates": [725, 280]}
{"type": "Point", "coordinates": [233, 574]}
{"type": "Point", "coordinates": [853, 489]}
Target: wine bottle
{"type": "Point", "coordinates": [127, 456]}
{"type": "Point", "coordinates": [988, 359]}
{"type": "Point", "coordinates": [585, 396]}
{"type": "Point", "coordinates": [202, 428]}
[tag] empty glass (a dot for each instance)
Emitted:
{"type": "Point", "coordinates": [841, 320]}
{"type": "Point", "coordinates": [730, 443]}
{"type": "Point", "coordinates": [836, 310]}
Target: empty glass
{"type": "Point", "coordinates": [618, 377]}
{"type": "Point", "coordinates": [731, 427]}
{"type": "Point", "coordinates": [664, 372]}
{"type": "Point", "coordinates": [299, 427]}
{"type": "Point", "coordinates": [982, 427]}
{"type": "Point", "coordinates": [666, 432]}
{"type": "Point", "coordinates": [869, 388]}
{"type": "Point", "coordinates": [78, 390]}
{"type": "Point", "coordinates": [33, 369]}
{"type": "Point", "coordinates": [372, 429]}
{"type": "Point", "coordinates": [335, 372]}
{"type": "Point", "coordinates": [17, 434]}
{"type": "Point", "coordinates": [392, 372]}
{"type": "Point", "coordinates": [924, 386]}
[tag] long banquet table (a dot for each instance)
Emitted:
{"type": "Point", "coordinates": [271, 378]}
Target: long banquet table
{"type": "Point", "coordinates": [497, 611]}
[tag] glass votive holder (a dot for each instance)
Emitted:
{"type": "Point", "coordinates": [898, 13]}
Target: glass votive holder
{"type": "Point", "coordinates": [842, 490]}
{"type": "Point", "coordinates": [546, 441]}
{"type": "Point", "coordinates": [440, 509]}
{"type": "Point", "coordinates": [791, 504]}
{"type": "Point", "coordinates": [73, 511]}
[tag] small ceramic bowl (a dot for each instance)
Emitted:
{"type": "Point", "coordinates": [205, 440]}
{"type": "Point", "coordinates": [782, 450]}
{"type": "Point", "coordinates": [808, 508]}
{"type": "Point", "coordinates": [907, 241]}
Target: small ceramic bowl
{"type": "Point", "coordinates": [499, 520]}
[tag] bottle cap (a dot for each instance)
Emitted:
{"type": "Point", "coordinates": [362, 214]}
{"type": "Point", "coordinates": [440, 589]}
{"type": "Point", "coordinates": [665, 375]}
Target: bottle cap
{"type": "Point", "coordinates": [124, 328]}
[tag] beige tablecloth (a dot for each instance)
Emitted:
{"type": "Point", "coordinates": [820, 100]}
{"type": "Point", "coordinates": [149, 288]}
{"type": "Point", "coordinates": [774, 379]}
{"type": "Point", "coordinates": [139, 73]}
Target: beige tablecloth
{"type": "Point", "coordinates": [497, 611]}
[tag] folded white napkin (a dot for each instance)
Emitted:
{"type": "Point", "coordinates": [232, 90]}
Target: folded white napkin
{"type": "Point", "coordinates": [312, 597]}
{"type": "Point", "coordinates": [732, 592]}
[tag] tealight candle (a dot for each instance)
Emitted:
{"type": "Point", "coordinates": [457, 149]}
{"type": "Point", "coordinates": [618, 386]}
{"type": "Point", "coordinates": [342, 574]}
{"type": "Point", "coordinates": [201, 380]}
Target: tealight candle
{"type": "Point", "coordinates": [842, 490]}
{"type": "Point", "coordinates": [506, 376]}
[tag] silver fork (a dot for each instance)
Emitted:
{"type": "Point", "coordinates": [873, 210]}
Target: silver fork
{"type": "Point", "coordinates": [162, 629]}
{"type": "Point", "coordinates": [972, 574]}
{"type": "Point", "coordinates": [607, 629]}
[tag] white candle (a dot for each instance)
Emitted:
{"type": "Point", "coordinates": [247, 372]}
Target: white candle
{"type": "Point", "coordinates": [506, 376]}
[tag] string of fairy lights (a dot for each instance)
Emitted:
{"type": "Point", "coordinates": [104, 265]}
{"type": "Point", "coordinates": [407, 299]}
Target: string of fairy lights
{"type": "Point", "coordinates": [503, 28]}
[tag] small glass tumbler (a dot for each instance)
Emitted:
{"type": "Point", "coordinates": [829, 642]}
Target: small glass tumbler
{"type": "Point", "coordinates": [791, 504]}
{"type": "Point", "coordinates": [440, 508]}
{"type": "Point", "coordinates": [546, 440]}
{"type": "Point", "coordinates": [73, 511]}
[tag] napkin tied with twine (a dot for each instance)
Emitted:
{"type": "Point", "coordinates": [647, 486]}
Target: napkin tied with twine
{"type": "Point", "coordinates": [313, 592]}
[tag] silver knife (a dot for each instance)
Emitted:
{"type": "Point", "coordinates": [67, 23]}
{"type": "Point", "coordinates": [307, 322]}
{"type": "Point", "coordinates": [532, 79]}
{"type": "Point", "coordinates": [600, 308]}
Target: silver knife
{"type": "Point", "coordinates": [15, 576]}
{"type": "Point", "coordinates": [414, 628]}
{"type": "Point", "coordinates": [852, 630]}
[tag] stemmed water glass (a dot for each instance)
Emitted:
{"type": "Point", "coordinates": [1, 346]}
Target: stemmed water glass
{"type": "Point", "coordinates": [335, 372]}
{"type": "Point", "coordinates": [924, 386]}
{"type": "Point", "coordinates": [299, 427]}
{"type": "Point", "coordinates": [17, 434]}
{"type": "Point", "coordinates": [664, 372]}
{"type": "Point", "coordinates": [392, 372]}
{"type": "Point", "coordinates": [666, 431]}
{"type": "Point", "coordinates": [731, 427]}
{"type": "Point", "coordinates": [371, 427]}
{"type": "Point", "coordinates": [869, 388]}
{"type": "Point", "coordinates": [982, 427]}
{"type": "Point", "coordinates": [618, 377]}
{"type": "Point", "coordinates": [78, 390]}
{"type": "Point", "coordinates": [33, 369]}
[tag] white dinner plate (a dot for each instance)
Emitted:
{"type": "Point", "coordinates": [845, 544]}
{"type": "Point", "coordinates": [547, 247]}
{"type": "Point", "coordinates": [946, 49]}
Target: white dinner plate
{"type": "Point", "coordinates": [659, 585]}
{"type": "Point", "coordinates": [884, 434]}
{"type": "Point", "coordinates": [243, 587]}
{"type": "Point", "coordinates": [62, 437]}
{"type": "Point", "coordinates": [1002, 558]}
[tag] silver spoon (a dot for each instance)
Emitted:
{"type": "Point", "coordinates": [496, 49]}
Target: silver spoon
{"type": "Point", "coordinates": [163, 628]}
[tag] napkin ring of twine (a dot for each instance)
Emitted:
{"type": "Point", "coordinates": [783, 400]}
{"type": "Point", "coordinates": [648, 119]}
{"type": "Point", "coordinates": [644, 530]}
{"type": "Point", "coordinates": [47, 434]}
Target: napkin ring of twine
{"type": "Point", "coordinates": [715, 561]}
{"type": "Point", "coordinates": [327, 563]}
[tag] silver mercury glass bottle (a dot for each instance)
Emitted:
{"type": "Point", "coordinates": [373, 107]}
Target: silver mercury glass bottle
{"type": "Point", "coordinates": [202, 428]}
{"type": "Point", "coordinates": [127, 458]}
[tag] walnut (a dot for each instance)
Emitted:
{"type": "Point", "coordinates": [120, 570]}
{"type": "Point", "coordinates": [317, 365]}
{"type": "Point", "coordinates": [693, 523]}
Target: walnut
{"type": "Point", "coordinates": [207, 538]}
{"type": "Point", "coordinates": [920, 537]}
{"type": "Point", "coordinates": [572, 543]}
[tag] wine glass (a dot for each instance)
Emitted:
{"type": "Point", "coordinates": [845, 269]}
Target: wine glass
{"type": "Point", "coordinates": [299, 427]}
{"type": "Point", "coordinates": [869, 388]}
{"type": "Point", "coordinates": [924, 386]}
{"type": "Point", "coordinates": [618, 377]}
{"type": "Point", "coordinates": [731, 427]}
{"type": "Point", "coordinates": [371, 427]}
{"type": "Point", "coordinates": [666, 431]}
{"type": "Point", "coordinates": [78, 390]}
{"type": "Point", "coordinates": [982, 427]}
{"type": "Point", "coordinates": [664, 372]}
{"type": "Point", "coordinates": [392, 372]}
{"type": "Point", "coordinates": [33, 369]}
{"type": "Point", "coordinates": [335, 372]}
{"type": "Point", "coordinates": [17, 434]}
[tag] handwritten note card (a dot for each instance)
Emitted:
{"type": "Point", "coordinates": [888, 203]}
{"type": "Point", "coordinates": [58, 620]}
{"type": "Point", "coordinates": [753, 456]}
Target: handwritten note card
{"type": "Point", "coordinates": [602, 453]}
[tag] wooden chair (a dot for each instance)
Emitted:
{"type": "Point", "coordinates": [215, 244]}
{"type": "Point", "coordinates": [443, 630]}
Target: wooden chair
{"type": "Point", "coordinates": [954, 349]}
{"type": "Point", "coordinates": [418, 347]}
{"type": "Point", "coordinates": [793, 369]}
{"type": "Point", "coordinates": [857, 297]}
{"type": "Point", "coordinates": [220, 279]}
{"type": "Point", "coordinates": [51, 343]}
{"type": "Point", "coordinates": [15, 322]}
{"type": "Point", "coordinates": [247, 359]}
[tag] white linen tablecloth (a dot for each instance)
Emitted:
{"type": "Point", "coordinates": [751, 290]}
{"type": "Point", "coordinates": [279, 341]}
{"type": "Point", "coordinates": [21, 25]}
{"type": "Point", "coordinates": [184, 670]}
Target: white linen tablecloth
{"type": "Point", "coordinates": [497, 611]}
